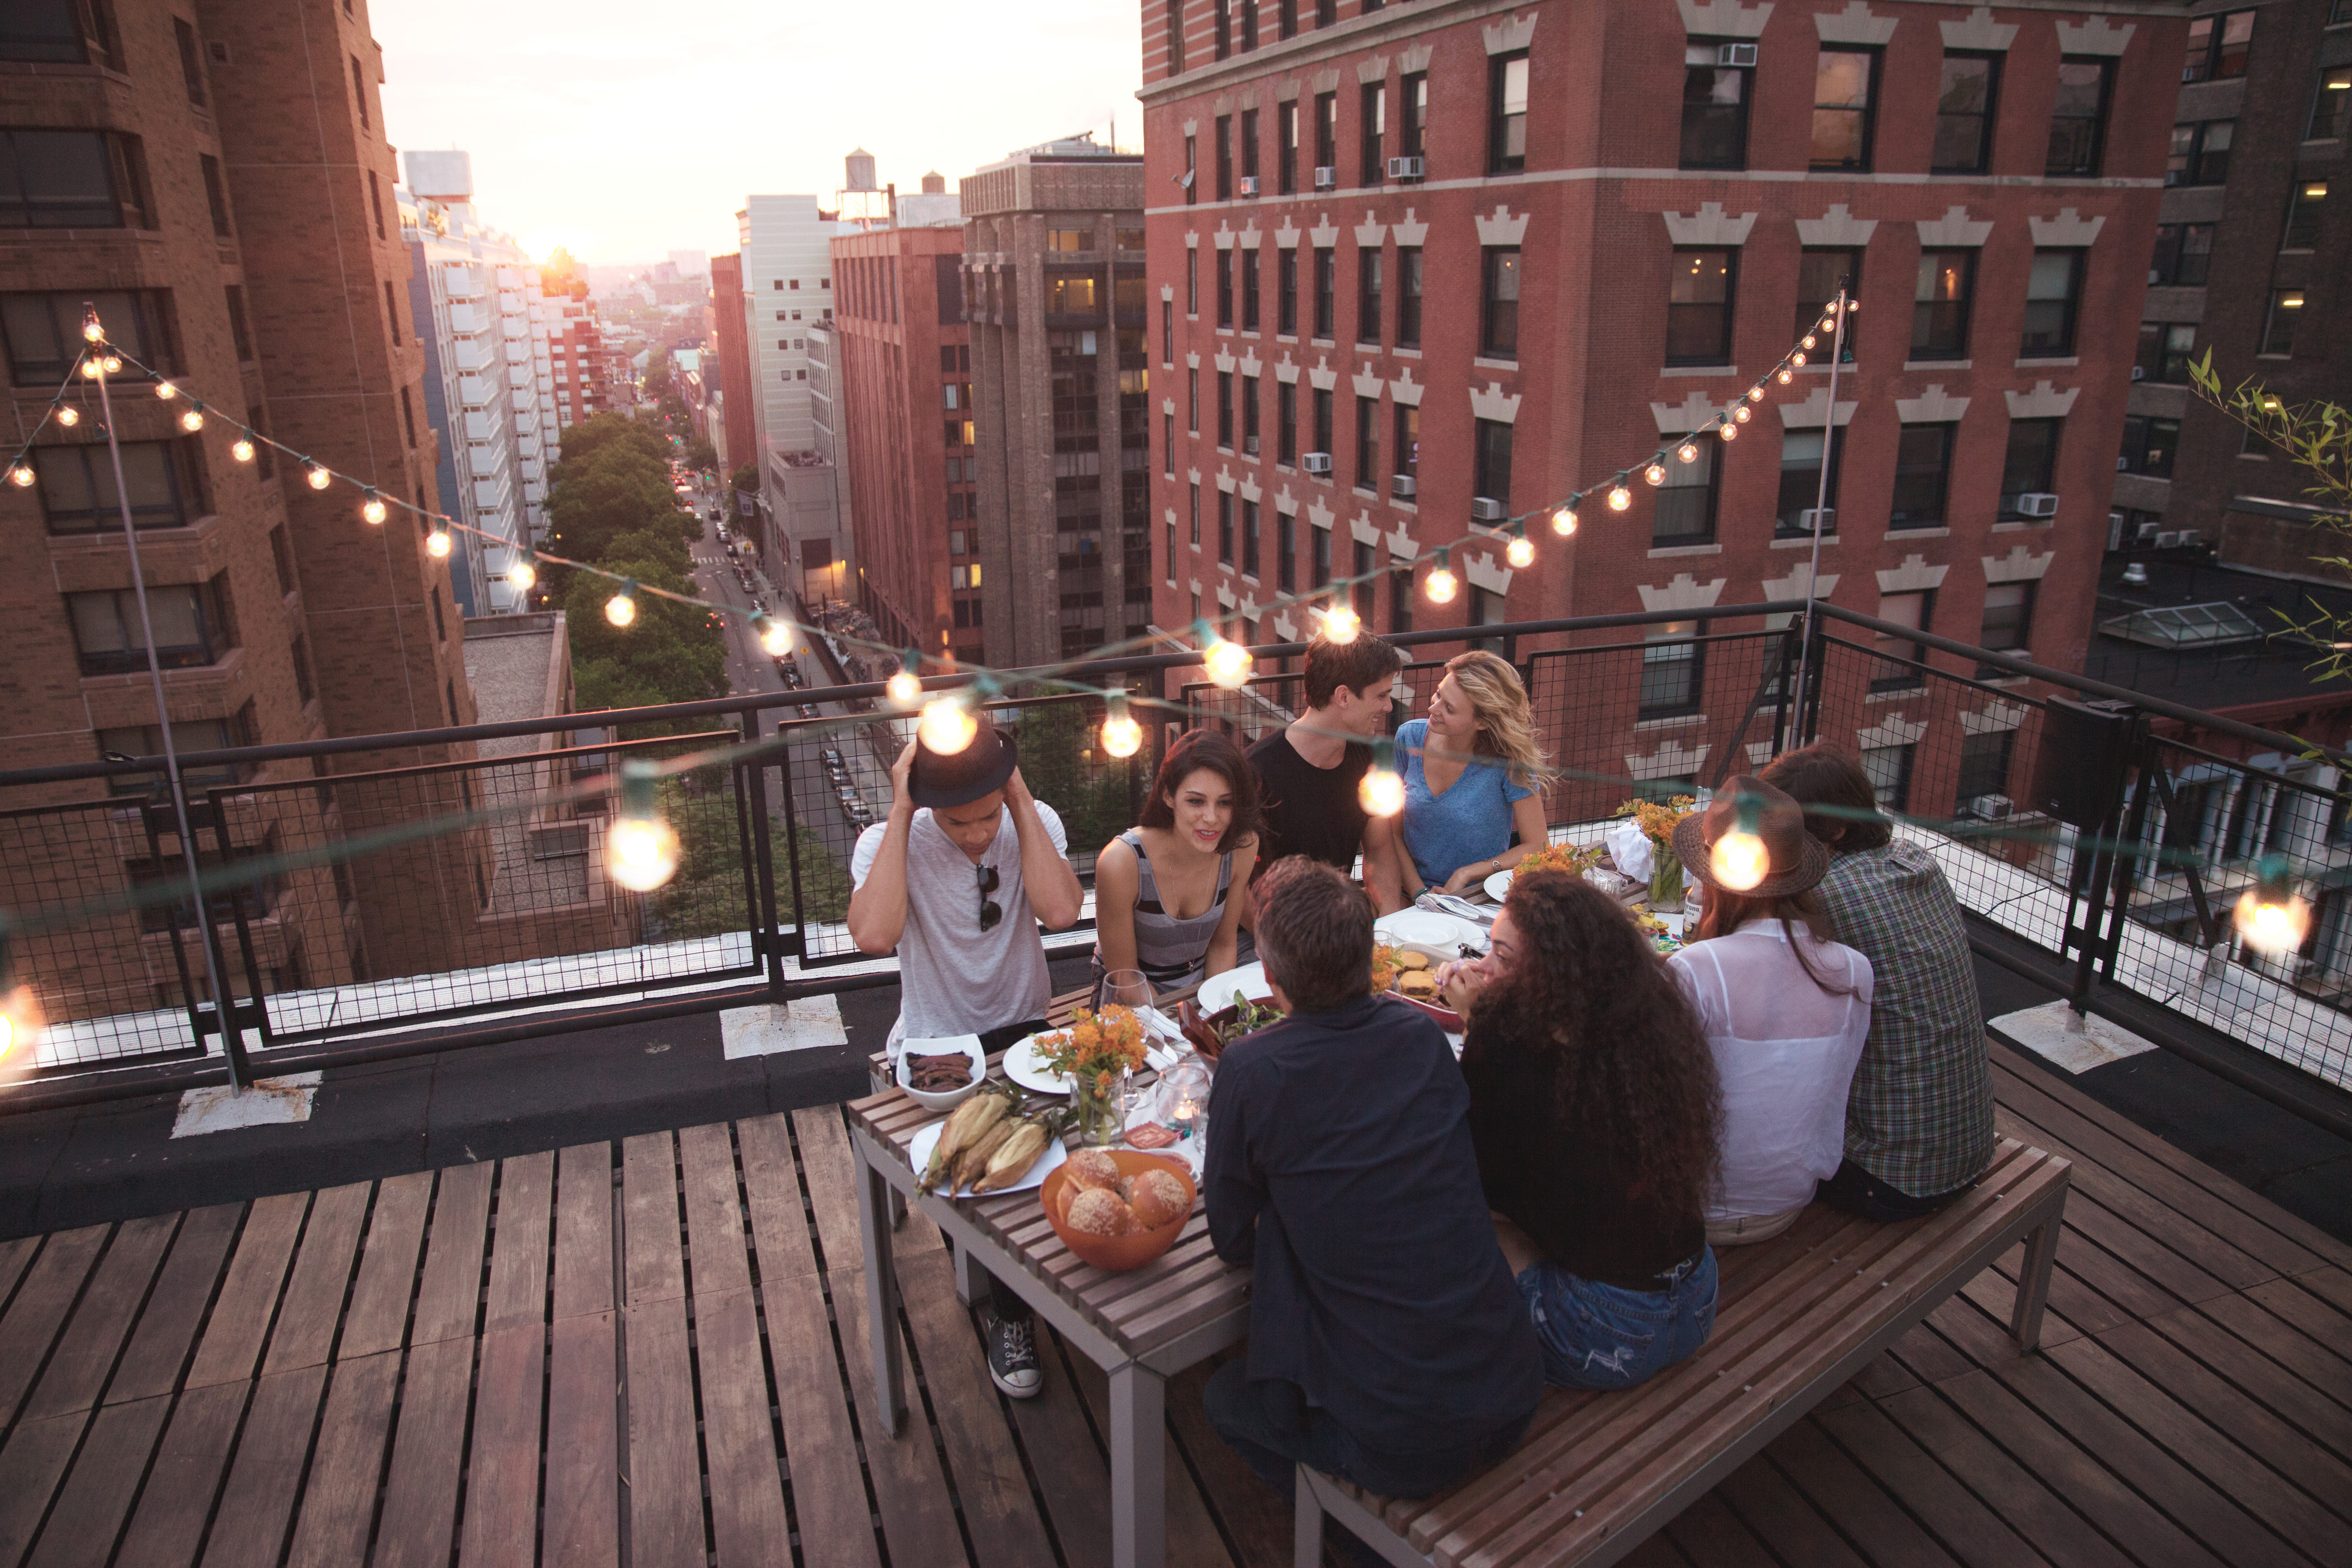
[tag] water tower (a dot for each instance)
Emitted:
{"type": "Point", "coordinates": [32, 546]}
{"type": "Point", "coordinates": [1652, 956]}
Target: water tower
{"type": "Point", "coordinates": [859, 167]}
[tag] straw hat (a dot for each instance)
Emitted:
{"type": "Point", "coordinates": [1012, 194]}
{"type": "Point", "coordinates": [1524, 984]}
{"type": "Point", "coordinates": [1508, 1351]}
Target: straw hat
{"type": "Point", "coordinates": [1798, 860]}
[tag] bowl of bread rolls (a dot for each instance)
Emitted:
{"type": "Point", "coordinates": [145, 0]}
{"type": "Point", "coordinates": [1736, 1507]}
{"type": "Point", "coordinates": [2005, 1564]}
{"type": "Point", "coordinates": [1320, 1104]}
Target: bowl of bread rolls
{"type": "Point", "coordinates": [1117, 1208]}
{"type": "Point", "coordinates": [1416, 982]}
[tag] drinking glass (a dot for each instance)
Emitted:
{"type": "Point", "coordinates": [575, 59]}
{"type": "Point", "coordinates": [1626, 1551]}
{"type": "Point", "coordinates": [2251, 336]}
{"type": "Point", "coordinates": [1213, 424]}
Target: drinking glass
{"type": "Point", "coordinates": [1127, 988]}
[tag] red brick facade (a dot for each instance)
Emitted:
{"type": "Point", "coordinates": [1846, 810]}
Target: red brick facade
{"type": "Point", "coordinates": [726, 342]}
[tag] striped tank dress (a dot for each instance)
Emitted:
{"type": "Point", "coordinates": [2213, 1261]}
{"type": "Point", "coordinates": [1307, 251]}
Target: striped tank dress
{"type": "Point", "coordinates": [1170, 952]}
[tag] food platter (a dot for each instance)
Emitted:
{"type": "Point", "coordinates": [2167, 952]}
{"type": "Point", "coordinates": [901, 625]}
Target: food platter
{"type": "Point", "coordinates": [1025, 1067]}
{"type": "Point", "coordinates": [918, 1156]}
{"type": "Point", "coordinates": [1220, 991]}
{"type": "Point", "coordinates": [1428, 928]}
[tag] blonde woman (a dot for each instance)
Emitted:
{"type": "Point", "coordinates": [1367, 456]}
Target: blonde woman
{"type": "Point", "coordinates": [1473, 776]}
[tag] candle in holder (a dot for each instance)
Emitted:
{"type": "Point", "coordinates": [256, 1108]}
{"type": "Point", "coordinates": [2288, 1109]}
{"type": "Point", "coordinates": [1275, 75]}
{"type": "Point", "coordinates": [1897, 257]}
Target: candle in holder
{"type": "Point", "coordinates": [1184, 1099]}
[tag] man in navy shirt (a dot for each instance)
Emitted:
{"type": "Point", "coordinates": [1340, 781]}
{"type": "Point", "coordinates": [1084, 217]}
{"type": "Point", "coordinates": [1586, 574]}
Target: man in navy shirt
{"type": "Point", "coordinates": [1387, 1344]}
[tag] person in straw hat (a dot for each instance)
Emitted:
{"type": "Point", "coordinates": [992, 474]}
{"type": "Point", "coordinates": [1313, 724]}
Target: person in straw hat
{"type": "Point", "coordinates": [1785, 1009]}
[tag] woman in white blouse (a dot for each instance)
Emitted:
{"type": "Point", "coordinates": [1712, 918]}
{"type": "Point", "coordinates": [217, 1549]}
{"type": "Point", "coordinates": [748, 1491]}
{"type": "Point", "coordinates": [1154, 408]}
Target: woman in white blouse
{"type": "Point", "coordinates": [1785, 1008]}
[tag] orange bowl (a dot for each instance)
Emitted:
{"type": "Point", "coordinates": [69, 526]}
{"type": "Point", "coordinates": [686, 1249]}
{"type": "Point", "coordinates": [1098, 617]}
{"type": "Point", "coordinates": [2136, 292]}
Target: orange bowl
{"type": "Point", "coordinates": [1116, 1254]}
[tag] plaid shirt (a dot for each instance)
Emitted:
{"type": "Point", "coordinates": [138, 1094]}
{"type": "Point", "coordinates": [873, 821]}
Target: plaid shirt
{"type": "Point", "coordinates": [1919, 1115]}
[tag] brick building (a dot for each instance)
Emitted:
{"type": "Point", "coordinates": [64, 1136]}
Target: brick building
{"type": "Point", "coordinates": [1478, 256]}
{"type": "Point", "coordinates": [902, 387]}
{"type": "Point", "coordinates": [586, 367]}
{"type": "Point", "coordinates": [730, 386]}
{"type": "Point", "coordinates": [216, 179]}
{"type": "Point", "coordinates": [2252, 251]}
{"type": "Point", "coordinates": [1054, 282]}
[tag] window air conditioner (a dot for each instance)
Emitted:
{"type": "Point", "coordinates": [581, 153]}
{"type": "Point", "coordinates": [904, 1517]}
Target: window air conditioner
{"type": "Point", "coordinates": [1249, 184]}
{"type": "Point", "coordinates": [1326, 176]}
{"type": "Point", "coordinates": [2139, 372]}
{"type": "Point", "coordinates": [1315, 463]}
{"type": "Point", "coordinates": [2167, 539]}
{"type": "Point", "coordinates": [1401, 486]}
{"type": "Point", "coordinates": [1990, 808]}
{"type": "Point", "coordinates": [1249, 446]}
{"type": "Point", "coordinates": [2123, 464]}
{"type": "Point", "coordinates": [1817, 521]}
{"type": "Point", "coordinates": [2034, 504]}
{"type": "Point", "coordinates": [1405, 168]}
{"type": "Point", "coordinates": [1735, 54]}
{"type": "Point", "coordinates": [2192, 536]}
{"type": "Point", "coordinates": [1486, 509]}
{"type": "Point", "coordinates": [2147, 532]}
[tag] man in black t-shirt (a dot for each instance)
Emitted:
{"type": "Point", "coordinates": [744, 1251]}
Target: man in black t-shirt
{"type": "Point", "coordinates": [1309, 771]}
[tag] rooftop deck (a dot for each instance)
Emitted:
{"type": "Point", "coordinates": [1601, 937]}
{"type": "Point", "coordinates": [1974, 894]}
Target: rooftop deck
{"type": "Point", "coordinates": [653, 1351]}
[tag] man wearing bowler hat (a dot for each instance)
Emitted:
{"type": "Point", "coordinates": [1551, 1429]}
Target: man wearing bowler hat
{"type": "Point", "coordinates": [957, 879]}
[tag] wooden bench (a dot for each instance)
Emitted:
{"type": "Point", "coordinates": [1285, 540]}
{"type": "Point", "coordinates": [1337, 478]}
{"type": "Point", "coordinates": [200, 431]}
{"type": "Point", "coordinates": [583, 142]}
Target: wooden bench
{"type": "Point", "coordinates": [1799, 1315]}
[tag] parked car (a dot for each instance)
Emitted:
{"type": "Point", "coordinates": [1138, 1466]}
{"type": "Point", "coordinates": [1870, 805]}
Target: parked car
{"type": "Point", "coordinates": [808, 710]}
{"type": "Point", "coordinates": [832, 760]}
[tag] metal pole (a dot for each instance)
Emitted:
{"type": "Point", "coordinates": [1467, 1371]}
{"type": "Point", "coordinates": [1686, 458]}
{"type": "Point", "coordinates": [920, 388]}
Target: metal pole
{"type": "Point", "coordinates": [1822, 496]}
{"type": "Point", "coordinates": [162, 712]}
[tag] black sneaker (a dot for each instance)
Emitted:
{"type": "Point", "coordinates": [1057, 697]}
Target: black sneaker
{"type": "Point", "coordinates": [1012, 1357]}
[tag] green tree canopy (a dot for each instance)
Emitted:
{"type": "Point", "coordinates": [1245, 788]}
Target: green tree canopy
{"type": "Point", "coordinates": [670, 654]}
{"type": "Point", "coordinates": [701, 455]}
{"type": "Point", "coordinates": [655, 382]}
{"type": "Point", "coordinates": [746, 479]}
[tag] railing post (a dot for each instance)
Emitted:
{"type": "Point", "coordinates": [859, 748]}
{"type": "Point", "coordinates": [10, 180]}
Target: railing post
{"type": "Point", "coordinates": [767, 940]}
{"type": "Point", "coordinates": [792, 845]}
{"type": "Point", "coordinates": [1811, 651]}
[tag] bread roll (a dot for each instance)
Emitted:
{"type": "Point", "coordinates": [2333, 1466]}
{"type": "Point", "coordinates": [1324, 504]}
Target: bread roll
{"type": "Point", "coordinates": [1160, 1200]}
{"type": "Point", "coordinates": [1410, 959]}
{"type": "Point", "coordinates": [1098, 1212]}
{"type": "Point", "coordinates": [1092, 1168]}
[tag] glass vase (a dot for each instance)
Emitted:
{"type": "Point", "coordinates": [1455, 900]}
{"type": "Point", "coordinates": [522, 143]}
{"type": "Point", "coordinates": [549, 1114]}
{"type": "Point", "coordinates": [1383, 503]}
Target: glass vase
{"type": "Point", "coordinates": [1100, 1109]}
{"type": "Point", "coordinates": [1665, 880]}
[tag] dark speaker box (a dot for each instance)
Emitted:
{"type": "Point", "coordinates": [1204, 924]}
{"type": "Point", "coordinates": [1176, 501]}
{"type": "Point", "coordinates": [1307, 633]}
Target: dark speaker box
{"type": "Point", "coordinates": [2086, 748]}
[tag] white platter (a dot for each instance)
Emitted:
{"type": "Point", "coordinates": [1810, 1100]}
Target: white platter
{"type": "Point", "coordinates": [1429, 928]}
{"type": "Point", "coordinates": [1219, 992]}
{"type": "Point", "coordinates": [1022, 1066]}
{"type": "Point", "coordinates": [1498, 885]}
{"type": "Point", "coordinates": [918, 1155]}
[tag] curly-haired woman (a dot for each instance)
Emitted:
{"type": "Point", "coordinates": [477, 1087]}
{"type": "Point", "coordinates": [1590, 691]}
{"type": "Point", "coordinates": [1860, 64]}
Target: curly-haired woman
{"type": "Point", "coordinates": [1594, 1108]}
{"type": "Point", "coordinates": [1474, 774]}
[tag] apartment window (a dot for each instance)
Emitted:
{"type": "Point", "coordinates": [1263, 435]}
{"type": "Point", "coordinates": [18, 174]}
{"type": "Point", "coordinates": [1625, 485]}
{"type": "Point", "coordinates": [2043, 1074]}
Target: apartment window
{"type": "Point", "coordinates": [1247, 261]}
{"type": "Point", "coordinates": [2302, 217]}
{"type": "Point", "coordinates": [1923, 465]}
{"type": "Point", "coordinates": [2078, 117]}
{"type": "Point", "coordinates": [237, 327]}
{"type": "Point", "coordinates": [1249, 24]}
{"type": "Point", "coordinates": [71, 179]}
{"type": "Point", "coordinates": [1191, 180]}
{"type": "Point", "coordinates": [77, 493]}
{"type": "Point", "coordinates": [58, 32]}
{"type": "Point", "coordinates": [1324, 400]}
{"type": "Point", "coordinates": [1327, 290]}
{"type": "Point", "coordinates": [1327, 15]}
{"type": "Point", "coordinates": [2331, 105]}
{"type": "Point", "coordinates": [1167, 332]}
{"type": "Point", "coordinates": [1366, 584]}
{"type": "Point", "coordinates": [2218, 46]}
{"type": "Point", "coordinates": [1175, 18]}
{"type": "Point", "coordinates": [1249, 144]}
{"type": "Point", "coordinates": [1193, 402]}
{"type": "Point", "coordinates": [2278, 328]}
{"type": "Point", "coordinates": [1409, 297]}
{"type": "Point", "coordinates": [2148, 448]}
{"type": "Point", "coordinates": [2054, 295]}
{"type": "Point", "coordinates": [1286, 423]}
{"type": "Point", "coordinates": [2030, 465]}
{"type": "Point", "coordinates": [1670, 671]}
{"type": "Point", "coordinates": [1498, 311]}
{"type": "Point", "coordinates": [1843, 83]}
{"type": "Point", "coordinates": [1686, 509]}
{"type": "Point", "coordinates": [1285, 303]}
{"type": "Point", "coordinates": [1070, 240]}
{"type": "Point", "coordinates": [191, 69]}
{"type": "Point", "coordinates": [1285, 552]}
{"type": "Point", "coordinates": [1820, 275]}
{"type": "Point", "coordinates": [1226, 289]}
{"type": "Point", "coordinates": [1368, 297]}
{"type": "Point", "coordinates": [1698, 308]}
{"type": "Point", "coordinates": [1320, 554]}
{"type": "Point", "coordinates": [1939, 316]}
{"type": "Point", "coordinates": [1911, 611]}
{"type": "Point", "coordinates": [1226, 409]}
{"type": "Point", "coordinates": [1399, 599]}
{"type": "Point", "coordinates": [1372, 127]}
{"type": "Point", "coordinates": [2008, 622]}
{"type": "Point", "coordinates": [281, 558]}
{"type": "Point", "coordinates": [2200, 153]}
{"type": "Point", "coordinates": [1286, 119]}
{"type": "Point", "coordinates": [1287, 18]}
{"type": "Point", "coordinates": [1965, 102]}
{"type": "Point", "coordinates": [1408, 444]}
{"type": "Point", "coordinates": [2184, 253]}
{"type": "Point", "coordinates": [392, 319]}
{"type": "Point", "coordinates": [1249, 540]}
{"type": "Point", "coordinates": [2165, 349]}
{"type": "Point", "coordinates": [44, 331]}
{"type": "Point", "coordinates": [190, 629]}
{"type": "Point", "coordinates": [188, 736]}
{"type": "Point", "coordinates": [1490, 459]}
{"type": "Point", "coordinates": [1224, 140]}
{"type": "Point", "coordinates": [1413, 104]}
{"type": "Point", "coordinates": [1507, 113]}
{"type": "Point", "coordinates": [1195, 535]}
{"type": "Point", "coordinates": [1225, 528]}
{"type": "Point", "coordinates": [1888, 768]}
{"type": "Point", "coordinates": [1224, 17]}
{"type": "Point", "coordinates": [1368, 443]}
{"type": "Point", "coordinates": [1801, 484]}
{"type": "Point", "coordinates": [1168, 445]}
{"type": "Point", "coordinates": [1714, 104]}
{"type": "Point", "coordinates": [1191, 283]}
{"type": "Point", "coordinates": [1984, 756]}
{"type": "Point", "coordinates": [1327, 134]}
{"type": "Point", "coordinates": [1250, 425]}
{"type": "Point", "coordinates": [360, 93]}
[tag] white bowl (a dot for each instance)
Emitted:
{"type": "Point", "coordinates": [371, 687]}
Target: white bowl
{"type": "Point", "coordinates": [947, 1100]}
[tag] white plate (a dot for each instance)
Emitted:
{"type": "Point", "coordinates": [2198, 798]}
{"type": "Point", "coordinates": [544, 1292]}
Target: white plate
{"type": "Point", "coordinates": [918, 1155]}
{"type": "Point", "coordinates": [1429, 928]}
{"type": "Point", "coordinates": [1498, 885]}
{"type": "Point", "coordinates": [1023, 1066]}
{"type": "Point", "coordinates": [1219, 992]}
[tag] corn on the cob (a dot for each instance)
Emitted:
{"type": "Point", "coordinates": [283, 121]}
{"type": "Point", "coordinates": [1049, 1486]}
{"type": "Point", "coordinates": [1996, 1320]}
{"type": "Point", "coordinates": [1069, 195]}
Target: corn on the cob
{"type": "Point", "coordinates": [967, 1122]}
{"type": "Point", "coordinates": [1013, 1156]}
{"type": "Point", "coordinates": [970, 1164]}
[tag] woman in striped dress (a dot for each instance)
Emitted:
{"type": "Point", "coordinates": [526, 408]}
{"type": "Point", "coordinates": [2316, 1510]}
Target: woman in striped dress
{"type": "Point", "coordinates": [1166, 891]}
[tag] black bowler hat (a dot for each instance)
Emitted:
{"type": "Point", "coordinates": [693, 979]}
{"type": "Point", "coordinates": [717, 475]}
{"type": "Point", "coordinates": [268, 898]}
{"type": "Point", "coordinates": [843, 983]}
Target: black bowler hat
{"type": "Point", "coordinates": [984, 765]}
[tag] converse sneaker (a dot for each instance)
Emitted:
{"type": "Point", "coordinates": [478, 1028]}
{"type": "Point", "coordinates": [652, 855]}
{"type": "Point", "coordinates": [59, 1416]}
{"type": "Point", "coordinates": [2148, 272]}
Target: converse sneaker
{"type": "Point", "coordinates": [1012, 1357]}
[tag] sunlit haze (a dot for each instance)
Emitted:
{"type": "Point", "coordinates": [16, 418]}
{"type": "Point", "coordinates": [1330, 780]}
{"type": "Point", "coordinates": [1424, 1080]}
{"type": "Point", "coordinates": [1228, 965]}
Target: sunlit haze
{"type": "Point", "coordinates": [622, 130]}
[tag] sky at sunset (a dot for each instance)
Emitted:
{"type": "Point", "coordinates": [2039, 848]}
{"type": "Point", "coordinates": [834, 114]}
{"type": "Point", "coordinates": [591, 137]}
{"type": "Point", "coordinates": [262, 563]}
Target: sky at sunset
{"type": "Point", "coordinates": [622, 129]}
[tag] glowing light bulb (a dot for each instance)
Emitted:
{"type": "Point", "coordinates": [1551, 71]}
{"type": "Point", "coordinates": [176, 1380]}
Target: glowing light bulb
{"type": "Point", "coordinates": [1341, 624]}
{"type": "Point", "coordinates": [21, 476]}
{"type": "Point", "coordinates": [7, 1035]}
{"type": "Point", "coordinates": [1755, 394]}
{"type": "Point", "coordinates": [775, 636]}
{"type": "Point", "coordinates": [521, 575]}
{"type": "Point", "coordinates": [947, 726]}
{"type": "Point", "coordinates": [373, 509]}
{"type": "Point", "coordinates": [1786, 376]}
{"type": "Point", "coordinates": [69, 417]}
{"type": "Point", "coordinates": [1619, 497]}
{"type": "Point", "coordinates": [241, 449]}
{"type": "Point", "coordinates": [1563, 521]}
{"type": "Point", "coordinates": [20, 1020]}
{"type": "Point", "coordinates": [93, 368]}
{"type": "Point", "coordinates": [1121, 736]}
{"type": "Point", "coordinates": [904, 688]}
{"type": "Point", "coordinates": [1807, 341]}
{"type": "Point", "coordinates": [1727, 430]}
{"type": "Point", "coordinates": [91, 331]}
{"type": "Point", "coordinates": [1741, 413]}
{"type": "Point", "coordinates": [1687, 452]}
{"type": "Point", "coordinates": [1655, 474]}
{"type": "Point", "coordinates": [1380, 792]}
{"type": "Point", "coordinates": [1739, 860]}
{"type": "Point", "coordinates": [621, 610]}
{"type": "Point", "coordinates": [641, 850]}
{"type": "Point", "coordinates": [166, 391]}
{"type": "Point", "coordinates": [1520, 552]}
{"type": "Point", "coordinates": [318, 476]}
{"type": "Point", "coordinates": [113, 365]}
{"type": "Point", "coordinates": [1441, 584]}
{"type": "Point", "coordinates": [1228, 663]}
{"type": "Point", "coordinates": [1798, 358]}
{"type": "Point", "coordinates": [192, 421]}
{"type": "Point", "coordinates": [437, 544]}
{"type": "Point", "coordinates": [2271, 917]}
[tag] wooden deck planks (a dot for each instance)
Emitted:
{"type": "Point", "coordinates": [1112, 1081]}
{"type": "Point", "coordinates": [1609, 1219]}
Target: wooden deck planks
{"type": "Point", "coordinates": [582, 1520]}
{"type": "Point", "coordinates": [87, 1350]}
{"type": "Point", "coordinates": [420, 1499]}
{"type": "Point", "coordinates": [38, 1316]}
{"type": "Point", "coordinates": [176, 1500]}
{"type": "Point", "coordinates": [95, 1501]}
{"type": "Point", "coordinates": [338, 1498]}
{"type": "Point", "coordinates": [247, 1302]}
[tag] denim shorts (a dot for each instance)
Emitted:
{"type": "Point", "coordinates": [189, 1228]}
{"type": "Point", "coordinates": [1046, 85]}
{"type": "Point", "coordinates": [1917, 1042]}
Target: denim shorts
{"type": "Point", "coordinates": [1604, 1336]}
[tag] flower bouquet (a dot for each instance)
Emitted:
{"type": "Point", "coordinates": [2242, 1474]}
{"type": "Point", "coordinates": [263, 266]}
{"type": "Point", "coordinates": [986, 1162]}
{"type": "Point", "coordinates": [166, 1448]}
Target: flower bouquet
{"type": "Point", "coordinates": [1097, 1053]}
{"type": "Point", "coordinates": [1657, 819]}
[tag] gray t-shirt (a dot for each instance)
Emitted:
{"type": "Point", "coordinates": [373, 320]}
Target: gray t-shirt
{"type": "Point", "coordinates": [954, 978]}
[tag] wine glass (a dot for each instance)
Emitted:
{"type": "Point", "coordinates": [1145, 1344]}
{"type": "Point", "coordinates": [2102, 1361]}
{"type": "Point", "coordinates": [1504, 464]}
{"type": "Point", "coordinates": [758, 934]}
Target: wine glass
{"type": "Point", "coordinates": [1127, 988]}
